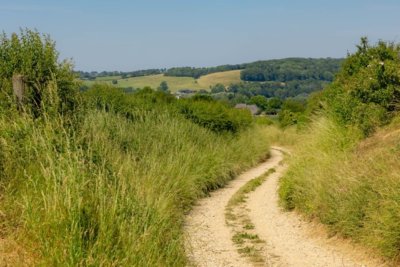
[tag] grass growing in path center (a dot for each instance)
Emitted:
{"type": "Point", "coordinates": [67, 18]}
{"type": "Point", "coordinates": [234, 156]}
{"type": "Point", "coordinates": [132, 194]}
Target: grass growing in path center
{"type": "Point", "coordinates": [246, 239]}
{"type": "Point", "coordinates": [241, 195]}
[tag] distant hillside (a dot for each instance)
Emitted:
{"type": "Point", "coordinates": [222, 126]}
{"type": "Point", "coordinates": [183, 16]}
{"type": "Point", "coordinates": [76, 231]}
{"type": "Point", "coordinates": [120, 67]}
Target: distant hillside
{"type": "Point", "coordinates": [225, 78]}
{"type": "Point", "coordinates": [174, 83]}
{"type": "Point", "coordinates": [282, 78]}
{"type": "Point", "coordinates": [85, 75]}
{"type": "Point", "coordinates": [153, 81]}
{"type": "Point", "coordinates": [282, 70]}
{"type": "Point", "coordinates": [289, 69]}
{"type": "Point", "coordinates": [264, 70]}
{"type": "Point", "coordinates": [198, 72]}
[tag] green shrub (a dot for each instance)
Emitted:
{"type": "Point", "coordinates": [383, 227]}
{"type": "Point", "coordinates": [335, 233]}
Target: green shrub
{"type": "Point", "coordinates": [104, 97]}
{"type": "Point", "coordinates": [366, 91]}
{"type": "Point", "coordinates": [215, 116]}
{"type": "Point", "coordinates": [292, 113]}
{"type": "Point", "coordinates": [34, 56]}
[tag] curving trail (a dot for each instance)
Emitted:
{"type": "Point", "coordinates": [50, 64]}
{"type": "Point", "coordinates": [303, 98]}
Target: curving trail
{"type": "Point", "coordinates": [289, 241]}
{"type": "Point", "coordinates": [209, 239]}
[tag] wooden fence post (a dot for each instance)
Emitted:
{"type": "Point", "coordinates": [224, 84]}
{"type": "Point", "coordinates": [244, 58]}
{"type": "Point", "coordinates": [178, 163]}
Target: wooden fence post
{"type": "Point", "coordinates": [19, 88]}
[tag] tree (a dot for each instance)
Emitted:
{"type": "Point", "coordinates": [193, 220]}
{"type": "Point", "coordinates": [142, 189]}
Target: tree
{"type": "Point", "coordinates": [291, 69]}
{"type": "Point", "coordinates": [292, 112]}
{"type": "Point", "coordinates": [274, 103]}
{"type": "Point", "coordinates": [273, 106]}
{"type": "Point", "coordinates": [259, 100]}
{"type": "Point", "coordinates": [218, 88]}
{"type": "Point", "coordinates": [163, 87]}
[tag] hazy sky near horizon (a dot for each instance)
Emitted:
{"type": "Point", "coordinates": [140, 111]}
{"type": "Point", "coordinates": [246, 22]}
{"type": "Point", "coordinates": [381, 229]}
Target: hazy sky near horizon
{"type": "Point", "coordinates": [141, 34]}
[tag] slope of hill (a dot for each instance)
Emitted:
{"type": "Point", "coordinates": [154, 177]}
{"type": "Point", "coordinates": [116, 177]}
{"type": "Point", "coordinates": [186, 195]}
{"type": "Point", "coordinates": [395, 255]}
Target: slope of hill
{"type": "Point", "coordinates": [226, 78]}
{"type": "Point", "coordinates": [289, 69]}
{"type": "Point", "coordinates": [174, 83]}
{"type": "Point", "coordinates": [282, 78]}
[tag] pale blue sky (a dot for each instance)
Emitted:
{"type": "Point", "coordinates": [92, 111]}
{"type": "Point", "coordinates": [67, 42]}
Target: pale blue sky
{"type": "Point", "coordinates": [139, 34]}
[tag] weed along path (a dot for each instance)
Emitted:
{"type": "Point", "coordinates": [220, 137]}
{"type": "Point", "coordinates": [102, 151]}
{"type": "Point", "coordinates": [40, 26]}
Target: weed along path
{"type": "Point", "coordinates": [243, 225]}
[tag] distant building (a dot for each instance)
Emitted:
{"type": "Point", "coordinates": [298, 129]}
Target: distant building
{"type": "Point", "coordinates": [253, 108]}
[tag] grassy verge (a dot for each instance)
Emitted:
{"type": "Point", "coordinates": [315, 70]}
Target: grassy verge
{"type": "Point", "coordinates": [112, 191]}
{"type": "Point", "coordinates": [350, 185]}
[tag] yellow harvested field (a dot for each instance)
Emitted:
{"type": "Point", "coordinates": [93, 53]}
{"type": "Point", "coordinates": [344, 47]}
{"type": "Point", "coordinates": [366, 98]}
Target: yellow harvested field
{"type": "Point", "coordinates": [174, 83]}
{"type": "Point", "coordinates": [226, 78]}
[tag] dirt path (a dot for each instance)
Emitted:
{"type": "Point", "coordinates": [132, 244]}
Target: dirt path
{"type": "Point", "coordinates": [291, 241]}
{"type": "Point", "coordinates": [288, 240]}
{"type": "Point", "coordinates": [209, 239]}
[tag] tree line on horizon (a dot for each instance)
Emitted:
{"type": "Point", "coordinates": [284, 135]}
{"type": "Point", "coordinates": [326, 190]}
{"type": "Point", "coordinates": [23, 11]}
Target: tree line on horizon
{"type": "Point", "coordinates": [282, 70]}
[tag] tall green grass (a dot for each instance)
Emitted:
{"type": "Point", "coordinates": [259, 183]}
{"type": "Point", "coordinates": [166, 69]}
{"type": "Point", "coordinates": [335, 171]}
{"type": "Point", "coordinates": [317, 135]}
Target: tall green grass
{"type": "Point", "coordinates": [112, 191]}
{"type": "Point", "coordinates": [349, 184]}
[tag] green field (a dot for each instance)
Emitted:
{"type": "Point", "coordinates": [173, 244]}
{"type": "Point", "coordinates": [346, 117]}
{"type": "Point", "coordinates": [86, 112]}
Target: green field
{"type": "Point", "coordinates": [174, 83]}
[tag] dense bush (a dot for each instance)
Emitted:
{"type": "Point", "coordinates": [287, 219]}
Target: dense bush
{"type": "Point", "coordinates": [133, 106]}
{"type": "Point", "coordinates": [215, 116]}
{"type": "Point", "coordinates": [292, 112]}
{"type": "Point", "coordinates": [200, 109]}
{"type": "Point", "coordinates": [34, 56]}
{"type": "Point", "coordinates": [367, 89]}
